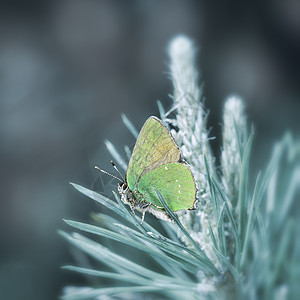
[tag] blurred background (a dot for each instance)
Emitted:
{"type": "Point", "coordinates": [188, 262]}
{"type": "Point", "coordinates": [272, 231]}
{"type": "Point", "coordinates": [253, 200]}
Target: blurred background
{"type": "Point", "coordinates": [69, 68]}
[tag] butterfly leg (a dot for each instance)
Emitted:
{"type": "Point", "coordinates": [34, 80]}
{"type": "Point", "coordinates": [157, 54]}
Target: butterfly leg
{"type": "Point", "coordinates": [156, 206]}
{"type": "Point", "coordinates": [144, 206]}
{"type": "Point", "coordinates": [132, 206]}
{"type": "Point", "coordinates": [143, 215]}
{"type": "Point", "coordinates": [132, 209]}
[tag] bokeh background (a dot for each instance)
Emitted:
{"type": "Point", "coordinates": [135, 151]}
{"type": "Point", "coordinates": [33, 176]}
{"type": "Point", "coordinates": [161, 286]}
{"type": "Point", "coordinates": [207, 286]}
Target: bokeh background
{"type": "Point", "coordinates": [69, 68]}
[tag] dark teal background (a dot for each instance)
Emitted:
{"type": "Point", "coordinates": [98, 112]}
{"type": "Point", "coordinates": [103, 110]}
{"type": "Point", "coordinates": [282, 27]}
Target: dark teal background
{"type": "Point", "coordinates": [68, 69]}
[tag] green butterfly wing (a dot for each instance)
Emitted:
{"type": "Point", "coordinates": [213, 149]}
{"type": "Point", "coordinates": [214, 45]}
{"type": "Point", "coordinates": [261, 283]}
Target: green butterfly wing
{"type": "Point", "coordinates": [156, 162]}
{"type": "Point", "coordinates": [175, 183]}
{"type": "Point", "coordinates": [154, 147]}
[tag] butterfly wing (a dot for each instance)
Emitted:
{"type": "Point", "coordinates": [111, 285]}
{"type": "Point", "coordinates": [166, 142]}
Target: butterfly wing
{"type": "Point", "coordinates": [175, 183]}
{"type": "Point", "coordinates": [154, 147]}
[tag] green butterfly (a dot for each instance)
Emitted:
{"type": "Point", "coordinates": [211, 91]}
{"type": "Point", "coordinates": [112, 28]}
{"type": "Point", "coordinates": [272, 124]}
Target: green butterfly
{"type": "Point", "coordinates": [156, 162]}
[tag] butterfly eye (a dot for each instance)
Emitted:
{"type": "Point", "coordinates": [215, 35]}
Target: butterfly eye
{"type": "Point", "coordinates": [124, 186]}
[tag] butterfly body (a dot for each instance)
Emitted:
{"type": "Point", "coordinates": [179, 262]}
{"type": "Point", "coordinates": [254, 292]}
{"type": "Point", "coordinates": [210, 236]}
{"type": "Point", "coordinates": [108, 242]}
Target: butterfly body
{"type": "Point", "coordinates": [156, 162]}
{"type": "Point", "coordinates": [137, 202]}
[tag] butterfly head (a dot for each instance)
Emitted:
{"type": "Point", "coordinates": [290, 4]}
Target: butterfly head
{"type": "Point", "coordinates": [126, 194]}
{"type": "Point", "coordinates": [123, 187]}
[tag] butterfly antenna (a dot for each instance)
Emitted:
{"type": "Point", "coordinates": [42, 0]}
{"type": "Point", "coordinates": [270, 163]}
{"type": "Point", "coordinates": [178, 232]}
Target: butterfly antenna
{"type": "Point", "coordinates": [109, 174]}
{"type": "Point", "coordinates": [115, 167]}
